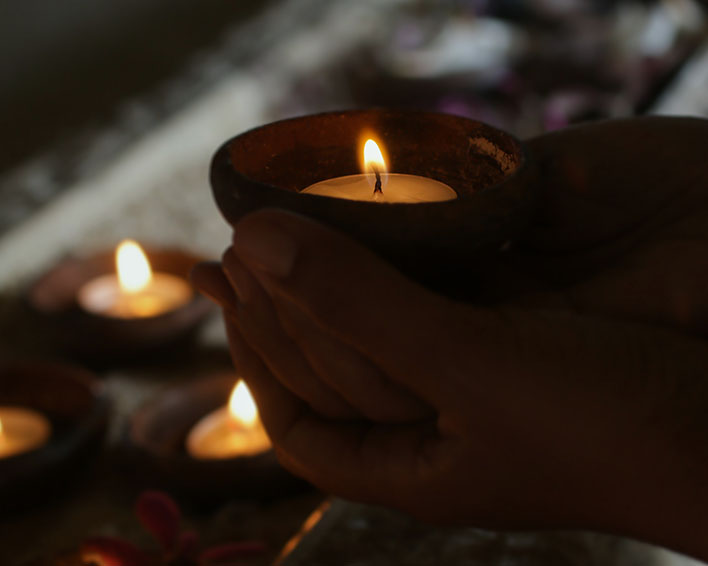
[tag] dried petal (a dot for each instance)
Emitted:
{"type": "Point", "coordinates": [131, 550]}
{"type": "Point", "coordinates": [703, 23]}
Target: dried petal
{"type": "Point", "coordinates": [225, 553]}
{"type": "Point", "coordinates": [160, 516]}
{"type": "Point", "coordinates": [108, 551]}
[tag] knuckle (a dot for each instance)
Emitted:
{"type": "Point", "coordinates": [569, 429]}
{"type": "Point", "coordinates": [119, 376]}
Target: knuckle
{"type": "Point", "coordinates": [292, 326]}
{"type": "Point", "coordinates": [330, 305]}
{"type": "Point", "coordinates": [322, 284]}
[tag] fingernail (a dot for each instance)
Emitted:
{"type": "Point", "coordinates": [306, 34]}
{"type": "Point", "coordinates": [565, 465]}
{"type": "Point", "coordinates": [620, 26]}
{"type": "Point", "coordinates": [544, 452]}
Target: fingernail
{"type": "Point", "coordinates": [265, 247]}
{"type": "Point", "coordinates": [201, 281]}
{"type": "Point", "coordinates": [210, 296]}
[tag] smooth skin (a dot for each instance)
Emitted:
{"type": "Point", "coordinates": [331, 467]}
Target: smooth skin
{"type": "Point", "coordinates": [577, 398]}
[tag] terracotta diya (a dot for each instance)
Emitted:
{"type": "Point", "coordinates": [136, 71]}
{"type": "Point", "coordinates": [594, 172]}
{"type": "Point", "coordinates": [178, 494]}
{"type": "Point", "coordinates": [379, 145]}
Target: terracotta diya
{"type": "Point", "coordinates": [166, 446]}
{"type": "Point", "coordinates": [72, 302]}
{"type": "Point", "coordinates": [440, 243]}
{"type": "Point", "coordinates": [53, 419]}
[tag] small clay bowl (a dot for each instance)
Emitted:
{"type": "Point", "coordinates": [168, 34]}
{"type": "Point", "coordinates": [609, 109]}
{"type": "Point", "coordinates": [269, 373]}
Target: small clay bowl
{"type": "Point", "coordinates": [78, 410]}
{"type": "Point", "coordinates": [155, 449]}
{"type": "Point", "coordinates": [438, 243]}
{"type": "Point", "coordinates": [96, 338]}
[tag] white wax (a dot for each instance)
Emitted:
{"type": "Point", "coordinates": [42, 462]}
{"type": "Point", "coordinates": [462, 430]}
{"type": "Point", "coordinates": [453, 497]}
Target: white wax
{"type": "Point", "coordinates": [219, 436]}
{"type": "Point", "coordinates": [22, 430]}
{"type": "Point", "coordinates": [397, 187]}
{"type": "Point", "coordinates": [104, 295]}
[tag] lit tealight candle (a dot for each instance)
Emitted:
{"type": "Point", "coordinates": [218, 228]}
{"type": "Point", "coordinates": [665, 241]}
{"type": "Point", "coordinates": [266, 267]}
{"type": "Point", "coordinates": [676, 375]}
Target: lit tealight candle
{"type": "Point", "coordinates": [378, 185]}
{"type": "Point", "coordinates": [134, 291]}
{"type": "Point", "coordinates": [22, 430]}
{"type": "Point", "coordinates": [231, 431]}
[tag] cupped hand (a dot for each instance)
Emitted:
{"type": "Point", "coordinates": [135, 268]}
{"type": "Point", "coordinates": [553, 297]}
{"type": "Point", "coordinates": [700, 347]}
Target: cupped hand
{"type": "Point", "coordinates": [568, 403]}
{"type": "Point", "coordinates": [622, 225]}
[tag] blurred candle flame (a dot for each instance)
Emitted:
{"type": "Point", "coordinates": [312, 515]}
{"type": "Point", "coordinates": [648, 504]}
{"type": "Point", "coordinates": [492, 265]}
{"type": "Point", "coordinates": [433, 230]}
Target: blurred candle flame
{"type": "Point", "coordinates": [242, 407]}
{"type": "Point", "coordinates": [132, 266]}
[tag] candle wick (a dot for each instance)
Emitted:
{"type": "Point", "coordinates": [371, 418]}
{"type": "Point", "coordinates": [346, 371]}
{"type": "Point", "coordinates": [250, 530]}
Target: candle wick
{"type": "Point", "coordinates": [377, 186]}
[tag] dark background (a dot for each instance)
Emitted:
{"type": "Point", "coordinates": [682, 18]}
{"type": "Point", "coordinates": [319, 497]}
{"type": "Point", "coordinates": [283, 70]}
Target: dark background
{"type": "Point", "coordinates": [67, 63]}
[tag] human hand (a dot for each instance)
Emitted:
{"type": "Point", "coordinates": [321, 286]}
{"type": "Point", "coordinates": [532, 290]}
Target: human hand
{"type": "Point", "coordinates": [622, 225]}
{"type": "Point", "coordinates": [374, 388]}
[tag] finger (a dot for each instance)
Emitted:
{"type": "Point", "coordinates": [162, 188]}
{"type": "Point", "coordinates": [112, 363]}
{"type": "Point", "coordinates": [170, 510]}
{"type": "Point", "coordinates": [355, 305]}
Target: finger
{"type": "Point", "coordinates": [600, 201]}
{"type": "Point", "coordinates": [355, 460]}
{"type": "Point", "coordinates": [259, 325]}
{"type": "Point", "coordinates": [357, 379]}
{"type": "Point", "coordinates": [277, 406]}
{"type": "Point", "coordinates": [597, 177]}
{"type": "Point", "coordinates": [209, 279]}
{"type": "Point", "coordinates": [349, 291]}
{"type": "Point", "coordinates": [375, 463]}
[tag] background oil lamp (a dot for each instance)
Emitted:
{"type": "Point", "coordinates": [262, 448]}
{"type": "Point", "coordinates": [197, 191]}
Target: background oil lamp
{"type": "Point", "coordinates": [232, 431]}
{"type": "Point", "coordinates": [204, 441]}
{"type": "Point", "coordinates": [52, 419]}
{"type": "Point", "coordinates": [112, 307]}
{"type": "Point", "coordinates": [22, 430]}
{"type": "Point", "coordinates": [134, 291]}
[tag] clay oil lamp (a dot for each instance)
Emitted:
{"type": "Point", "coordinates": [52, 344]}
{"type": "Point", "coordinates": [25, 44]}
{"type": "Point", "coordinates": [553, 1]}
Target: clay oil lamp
{"type": "Point", "coordinates": [434, 194]}
{"type": "Point", "coordinates": [52, 421]}
{"type": "Point", "coordinates": [203, 439]}
{"type": "Point", "coordinates": [112, 307]}
{"type": "Point", "coordinates": [231, 431]}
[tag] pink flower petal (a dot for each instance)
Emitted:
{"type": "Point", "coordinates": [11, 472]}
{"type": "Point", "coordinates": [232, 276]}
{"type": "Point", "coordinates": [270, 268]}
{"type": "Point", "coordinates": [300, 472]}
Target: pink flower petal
{"type": "Point", "coordinates": [160, 516]}
{"type": "Point", "coordinates": [188, 545]}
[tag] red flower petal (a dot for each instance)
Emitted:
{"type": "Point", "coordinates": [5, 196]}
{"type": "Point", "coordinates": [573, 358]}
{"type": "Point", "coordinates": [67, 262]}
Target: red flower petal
{"type": "Point", "coordinates": [161, 517]}
{"type": "Point", "coordinates": [224, 553]}
{"type": "Point", "coordinates": [108, 551]}
{"type": "Point", "coordinates": [188, 544]}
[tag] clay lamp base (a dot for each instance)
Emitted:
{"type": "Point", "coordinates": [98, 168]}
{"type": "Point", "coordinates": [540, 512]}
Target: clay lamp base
{"type": "Point", "coordinates": [105, 339]}
{"type": "Point", "coordinates": [437, 243]}
{"type": "Point", "coordinates": [76, 410]}
{"type": "Point", "coordinates": [155, 443]}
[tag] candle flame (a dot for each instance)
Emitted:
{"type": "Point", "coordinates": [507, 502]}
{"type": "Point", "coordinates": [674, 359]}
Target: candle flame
{"type": "Point", "coordinates": [373, 158]}
{"type": "Point", "coordinates": [242, 407]}
{"type": "Point", "coordinates": [2, 432]}
{"type": "Point", "coordinates": [132, 266]}
{"type": "Point", "coordinates": [375, 168]}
